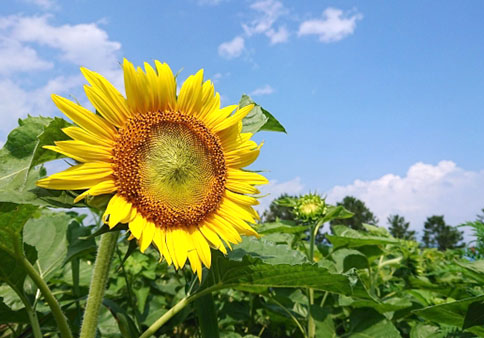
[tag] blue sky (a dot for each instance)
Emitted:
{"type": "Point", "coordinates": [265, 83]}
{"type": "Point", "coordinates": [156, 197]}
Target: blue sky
{"type": "Point", "coordinates": [383, 100]}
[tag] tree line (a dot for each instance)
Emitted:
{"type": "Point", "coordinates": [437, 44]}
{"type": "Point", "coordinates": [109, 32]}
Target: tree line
{"type": "Point", "coordinates": [436, 232]}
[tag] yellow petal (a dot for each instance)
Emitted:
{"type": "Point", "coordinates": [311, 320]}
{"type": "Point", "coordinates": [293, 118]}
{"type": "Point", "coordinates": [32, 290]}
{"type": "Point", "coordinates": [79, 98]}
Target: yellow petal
{"type": "Point", "coordinates": [89, 121]}
{"type": "Point", "coordinates": [78, 177]}
{"type": "Point", "coordinates": [202, 247]}
{"type": "Point", "coordinates": [109, 93]}
{"type": "Point", "coordinates": [134, 88]}
{"type": "Point", "coordinates": [82, 151]}
{"type": "Point", "coordinates": [182, 245]}
{"type": "Point", "coordinates": [245, 176]}
{"type": "Point", "coordinates": [234, 119]}
{"type": "Point", "coordinates": [213, 238]}
{"type": "Point", "coordinates": [244, 159]}
{"type": "Point", "coordinates": [171, 245]}
{"type": "Point", "coordinates": [118, 208]}
{"type": "Point", "coordinates": [160, 242]}
{"type": "Point", "coordinates": [190, 97]}
{"type": "Point", "coordinates": [106, 187]}
{"type": "Point", "coordinates": [147, 236]}
{"type": "Point", "coordinates": [80, 134]}
{"type": "Point", "coordinates": [137, 225]}
{"type": "Point", "coordinates": [104, 106]}
{"type": "Point", "coordinates": [166, 86]}
{"type": "Point", "coordinates": [240, 198]}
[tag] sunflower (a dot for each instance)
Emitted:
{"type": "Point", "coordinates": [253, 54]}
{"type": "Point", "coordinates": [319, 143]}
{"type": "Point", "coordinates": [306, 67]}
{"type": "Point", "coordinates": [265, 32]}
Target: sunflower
{"type": "Point", "coordinates": [173, 164]}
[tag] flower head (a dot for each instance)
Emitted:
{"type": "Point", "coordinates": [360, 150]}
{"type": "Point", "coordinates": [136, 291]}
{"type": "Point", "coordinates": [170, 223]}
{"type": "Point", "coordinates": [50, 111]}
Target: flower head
{"type": "Point", "coordinates": [310, 207]}
{"type": "Point", "coordinates": [172, 164]}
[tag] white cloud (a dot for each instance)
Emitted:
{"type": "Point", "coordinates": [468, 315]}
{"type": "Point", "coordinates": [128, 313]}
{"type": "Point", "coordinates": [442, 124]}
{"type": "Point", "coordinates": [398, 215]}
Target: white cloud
{"type": "Point", "coordinates": [278, 36]}
{"type": "Point", "coordinates": [266, 90]}
{"type": "Point", "coordinates": [334, 26]}
{"type": "Point", "coordinates": [426, 190]}
{"type": "Point", "coordinates": [275, 189]}
{"type": "Point", "coordinates": [24, 40]}
{"type": "Point", "coordinates": [15, 57]}
{"type": "Point", "coordinates": [81, 44]}
{"type": "Point", "coordinates": [232, 49]}
{"type": "Point", "coordinates": [268, 13]}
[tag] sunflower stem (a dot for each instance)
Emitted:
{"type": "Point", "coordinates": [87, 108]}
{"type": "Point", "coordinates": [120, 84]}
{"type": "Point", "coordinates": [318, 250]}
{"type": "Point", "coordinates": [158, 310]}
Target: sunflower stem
{"type": "Point", "coordinates": [60, 319]}
{"type": "Point", "coordinates": [98, 283]}
{"type": "Point", "coordinates": [311, 323]}
{"type": "Point", "coordinates": [175, 309]}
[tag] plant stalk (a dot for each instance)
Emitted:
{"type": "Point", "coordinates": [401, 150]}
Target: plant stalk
{"type": "Point", "coordinates": [61, 320]}
{"type": "Point", "coordinates": [311, 323]}
{"type": "Point", "coordinates": [34, 321]}
{"type": "Point", "coordinates": [174, 310]}
{"type": "Point", "coordinates": [98, 283]}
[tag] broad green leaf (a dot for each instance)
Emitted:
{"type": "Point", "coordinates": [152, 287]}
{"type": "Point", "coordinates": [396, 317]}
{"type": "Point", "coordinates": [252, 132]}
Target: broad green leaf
{"type": "Point", "coordinates": [258, 118]}
{"type": "Point", "coordinates": [47, 233]}
{"type": "Point", "coordinates": [12, 220]}
{"type": "Point", "coordinates": [80, 243]}
{"type": "Point", "coordinates": [267, 251]}
{"type": "Point", "coordinates": [474, 315]}
{"type": "Point", "coordinates": [474, 269]}
{"type": "Point", "coordinates": [12, 272]}
{"type": "Point", "coordinates": [7, 315]}
{"type": "Point", "coordinates": [388, 305]}
{"type": "Point", "coordinates": [252, 273]}
{"type": "Point", "coordinates": [348, 237]}
{"type": "Point", "coordinates": [425, 331]}
{"type": "Point", "coordinates": [281, 227]}
{"type": "Point", "coordinates": [20, 159]}
{"type": "Point", "coordinates": [324, 323]}
{"type": "Point", "coordinates": [126, 325]}
{"type": "Point", "coordinates": [336, 212]}
{"type": "Point", "coordinates": [449, 313]}
{"type": "Point", "coordinates": [346, 259]}
{"type": "Point", "coordinates": [207, 316]}
{"type": "Point", "coordinates": [366, 322]}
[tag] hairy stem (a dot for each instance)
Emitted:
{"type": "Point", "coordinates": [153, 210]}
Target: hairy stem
{"type": "Point", "coordinates": [98, 283]}
{"type": "Point", "coordinates": [61, 320]}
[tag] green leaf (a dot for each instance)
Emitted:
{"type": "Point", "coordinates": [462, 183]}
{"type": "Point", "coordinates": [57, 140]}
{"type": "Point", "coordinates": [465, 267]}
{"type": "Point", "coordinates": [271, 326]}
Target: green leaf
{"type": "Point", "coordinates": [258, 118]}
{"type": "Point", "coordinates": [324, 323]}
{"type": "Point", "coordinates": [346, 259]}
{"type": "Point", "coordinates": [267, 251]}
{"type": "Point", "coordinates": [8, 315]}
{"type": "Point", "coordinates": [452, 313]}
{"type": "Point", "coordinates": [47, 233]}
{"type": "Point", "coordinates": [425, 331]}
{"type": "Point", "coordinates": [126, 325]}
{"type": "Point", "coordinates": [12, 220]}
{"type": "Point", "coordinates": [207, 316]}
{"type": "Point", "coordinates": [366, 322]}
{"type": "Point", "coordinates": [19, 160]}
{"type": "Point", "coordinates": [389, 305]}
{"type": "Point", "coordinates": [348, 237]}
{"type": "Point", "coordinates": [336, 212]}
{"type": "Point", "coordinates": [80, 242]}
{"type": "Point", "coordinates": [474, 315]}
{"type": "Point", "coordinates": [252, 273]}
{"type": "Point", "coordinates": [281, 227]}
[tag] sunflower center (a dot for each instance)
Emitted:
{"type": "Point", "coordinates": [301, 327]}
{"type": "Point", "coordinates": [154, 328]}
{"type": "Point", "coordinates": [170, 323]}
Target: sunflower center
{"type": "Point", "coordinates": [170, 167]}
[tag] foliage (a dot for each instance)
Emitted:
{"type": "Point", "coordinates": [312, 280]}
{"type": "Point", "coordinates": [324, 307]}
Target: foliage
{"type": "Point", "coordinates": [362, 215]}
{"type": "Point", "coordinates": [399, 228]}
{"type": "Point", "coordinates": [277, 211]}
{"type": "Point", "coordinates": [362, 282]}
{"type": "Point", "coordinates": [437, 234]}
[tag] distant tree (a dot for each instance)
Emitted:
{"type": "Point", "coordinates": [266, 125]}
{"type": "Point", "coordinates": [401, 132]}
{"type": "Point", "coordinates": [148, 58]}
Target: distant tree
{"type": "Point", "coordinates": [399, 228]}
{"type": "Point", "coordinates": [480, 218]}
{"type": "Point", "coordinates": [437, 234]}
{"type": "Point", "coordinates": [277, 211]}
{"type": "Point", "coordinates": [361, 214]}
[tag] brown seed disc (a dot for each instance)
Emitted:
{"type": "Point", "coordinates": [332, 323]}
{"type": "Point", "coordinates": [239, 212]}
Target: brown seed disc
{"type": "Point", "coordinates": [170, 167]}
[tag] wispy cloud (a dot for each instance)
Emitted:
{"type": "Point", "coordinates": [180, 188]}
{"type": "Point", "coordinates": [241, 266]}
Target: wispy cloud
{"type": "Point", "coordinates": [265, 90]}
{"type": "Point", "coordinates": [425, 190]}
{"type": "Point", "coordinates": [233, 48]}
{"type": "Point", "coordinates": [334, 25]}
{"type": "Point", "coordinates": [32, 44]}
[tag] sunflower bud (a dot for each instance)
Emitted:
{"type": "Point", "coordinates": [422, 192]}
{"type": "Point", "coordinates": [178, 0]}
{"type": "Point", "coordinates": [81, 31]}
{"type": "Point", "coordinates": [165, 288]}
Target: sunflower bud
{"type": "Point", "coordinates": [310, 207]}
